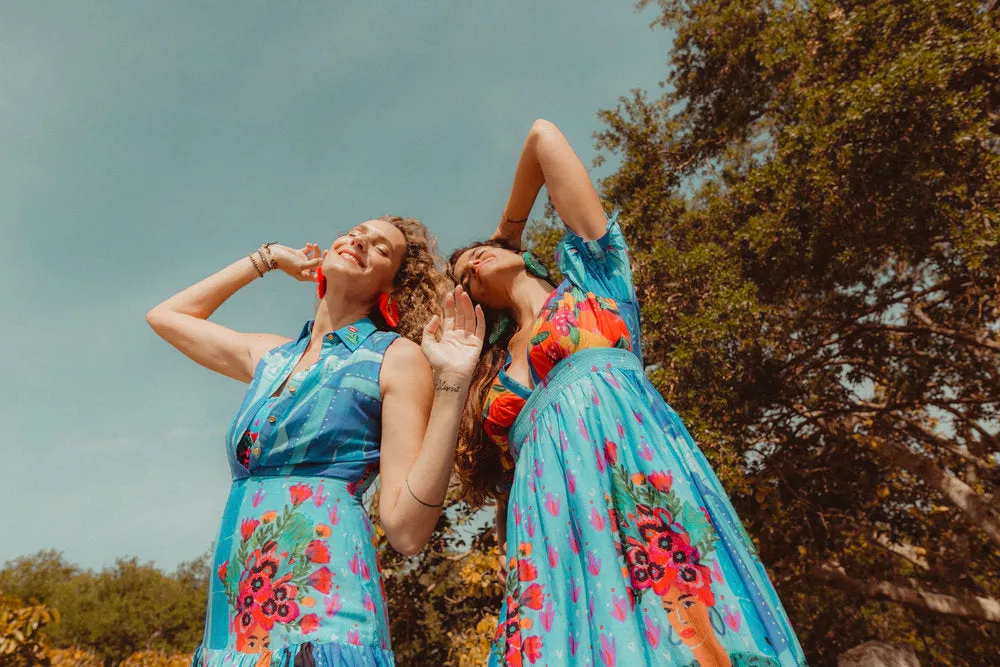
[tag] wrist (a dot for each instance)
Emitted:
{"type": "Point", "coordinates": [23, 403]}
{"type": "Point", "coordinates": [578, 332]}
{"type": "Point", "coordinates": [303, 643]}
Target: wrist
{"type": "Point", "coordinates": [450, 384]}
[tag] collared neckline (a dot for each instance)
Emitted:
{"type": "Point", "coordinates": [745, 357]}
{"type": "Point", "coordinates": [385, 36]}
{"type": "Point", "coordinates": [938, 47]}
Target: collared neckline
{"type": "Point", "coordinates": [352, 335]}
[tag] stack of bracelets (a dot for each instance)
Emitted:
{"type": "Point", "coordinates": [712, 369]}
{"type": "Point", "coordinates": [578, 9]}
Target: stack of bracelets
{"type": "Point", "coordinates": [265, 257]}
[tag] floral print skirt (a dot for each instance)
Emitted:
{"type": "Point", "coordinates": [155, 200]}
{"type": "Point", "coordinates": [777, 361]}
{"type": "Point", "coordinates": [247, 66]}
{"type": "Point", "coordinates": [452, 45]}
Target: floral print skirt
{"type": "Point", "coordinates": [295, 578]}
{"type": "Point", "coordinates": [623, 548]}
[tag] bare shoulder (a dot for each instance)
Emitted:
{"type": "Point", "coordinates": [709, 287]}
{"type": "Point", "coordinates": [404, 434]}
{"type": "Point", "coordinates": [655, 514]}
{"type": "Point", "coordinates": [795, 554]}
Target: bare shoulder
{"type": "Point", "coordinates": [404, 366]}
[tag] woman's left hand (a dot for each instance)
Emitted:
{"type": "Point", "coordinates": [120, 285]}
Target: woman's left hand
{"type": "Point", "coordinates": [452, 346]}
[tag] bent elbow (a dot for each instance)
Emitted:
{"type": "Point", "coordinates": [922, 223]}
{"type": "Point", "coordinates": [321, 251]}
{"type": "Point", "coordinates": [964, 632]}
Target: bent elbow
{"type": "Point", "coordinates": [153, 318]}
{"type": "Point", "coordinates": [542, 126]}
{"type": "Point", "coordinates": [407, 547]}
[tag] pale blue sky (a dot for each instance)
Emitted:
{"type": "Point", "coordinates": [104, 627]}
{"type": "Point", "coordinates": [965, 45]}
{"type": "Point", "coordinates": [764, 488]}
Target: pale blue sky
{"type": "Point", "coordinates": [144, 145]}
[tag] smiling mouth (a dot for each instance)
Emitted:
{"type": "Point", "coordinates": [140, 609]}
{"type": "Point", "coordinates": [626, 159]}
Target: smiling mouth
{"type": "Point", "coordinates": [688, 633]}
{"type": "Point", "coordinates": [349, 256]}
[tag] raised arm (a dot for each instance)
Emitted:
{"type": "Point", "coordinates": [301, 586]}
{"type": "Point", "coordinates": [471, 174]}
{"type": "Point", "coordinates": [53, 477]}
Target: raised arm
{"type": "Point", "coordinates": [548, 159]}
{"type": "Point", "coordinates": [182, 320]}
{"type": "Point", "coordinates": [421, 411]}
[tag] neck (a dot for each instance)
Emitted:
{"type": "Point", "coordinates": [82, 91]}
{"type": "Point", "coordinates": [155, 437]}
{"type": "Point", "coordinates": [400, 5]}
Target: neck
{"type": "Point", "coordinates": [711, 654]}
{"type": "Point", "coordinates": [335, 313]}
{"type": "Point", "coordinates": [527, 296]}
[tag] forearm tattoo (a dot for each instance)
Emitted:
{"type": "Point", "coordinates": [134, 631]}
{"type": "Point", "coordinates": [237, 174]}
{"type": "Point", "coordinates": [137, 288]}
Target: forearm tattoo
{"type": "Point", "coordinates": [443, 385]}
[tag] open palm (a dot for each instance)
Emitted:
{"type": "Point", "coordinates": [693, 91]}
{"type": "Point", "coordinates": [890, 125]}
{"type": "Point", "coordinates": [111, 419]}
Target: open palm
{"type": "Point", "coordinates": [452, 344]}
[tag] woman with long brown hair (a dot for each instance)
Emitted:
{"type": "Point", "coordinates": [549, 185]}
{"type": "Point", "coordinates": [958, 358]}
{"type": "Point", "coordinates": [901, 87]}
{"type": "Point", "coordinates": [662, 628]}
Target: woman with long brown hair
{"type": "Point", "coordinates": [295, 578]}
{"type": "Point", "coordinates": [606, 494]}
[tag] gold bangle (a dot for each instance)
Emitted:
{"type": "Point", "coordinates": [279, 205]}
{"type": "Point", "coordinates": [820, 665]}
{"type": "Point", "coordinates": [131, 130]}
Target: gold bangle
{"type": "Point", "coordinates": [271, 261]}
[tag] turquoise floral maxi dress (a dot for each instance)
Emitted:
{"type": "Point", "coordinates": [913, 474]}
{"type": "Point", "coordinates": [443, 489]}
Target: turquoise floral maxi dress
{"type": "Point", "coordinates": [295, 577]}
{"type": "Point", "coordinates": [623, 547]}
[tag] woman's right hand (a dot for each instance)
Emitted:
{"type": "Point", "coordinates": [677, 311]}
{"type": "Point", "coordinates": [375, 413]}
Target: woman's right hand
{"type": "Point", "coordinates": [300, 264]}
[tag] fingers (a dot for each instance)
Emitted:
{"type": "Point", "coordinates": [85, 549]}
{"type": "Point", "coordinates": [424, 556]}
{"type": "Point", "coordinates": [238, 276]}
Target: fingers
{"type": "Point", "coordinates": [449, 311]}
{"type": "Point", "coordinates": [463, 310]}
{"type": "Point", "coordinates": [480, 323]}
{"type": "Point", "coordinates": [431, 329]}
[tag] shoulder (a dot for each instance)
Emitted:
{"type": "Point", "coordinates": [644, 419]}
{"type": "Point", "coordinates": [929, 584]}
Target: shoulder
{"type": "Point", "coordinates": [404, 365]}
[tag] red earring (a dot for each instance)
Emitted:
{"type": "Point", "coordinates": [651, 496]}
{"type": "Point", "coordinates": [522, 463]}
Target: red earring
{"type": "Point", "coordinates": [389, 309]}
{"type": "Point", "coordinates": [321, 282]}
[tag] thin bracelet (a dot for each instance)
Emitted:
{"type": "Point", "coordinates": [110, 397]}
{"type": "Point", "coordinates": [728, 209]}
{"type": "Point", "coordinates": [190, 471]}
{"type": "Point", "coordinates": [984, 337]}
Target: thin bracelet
{"type": "Point", "coordinates": [266, 248]}
{"type": "Point", "coordinates": [418, 499]}
{"type": "Point", "coordinates": [504, 218]}
{"type": "Point", "coordinates": [254, 262]}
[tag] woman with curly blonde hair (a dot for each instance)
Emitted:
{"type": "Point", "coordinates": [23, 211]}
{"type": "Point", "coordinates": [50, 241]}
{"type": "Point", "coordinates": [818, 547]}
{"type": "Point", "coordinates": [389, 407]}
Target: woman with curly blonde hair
{"type": "Point", "coordinates": [295, 577]}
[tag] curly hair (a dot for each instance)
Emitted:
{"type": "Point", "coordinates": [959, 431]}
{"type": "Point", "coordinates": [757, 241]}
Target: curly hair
{"type": "Point", "coordinates": [478, 462]}
{"type": "Point", "coordinates": [419, 284]}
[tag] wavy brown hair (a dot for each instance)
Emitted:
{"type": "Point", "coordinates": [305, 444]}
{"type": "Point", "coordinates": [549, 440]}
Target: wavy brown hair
{"type": "Point", "coordinates": [419, 284]}
{"type": "Point", "coordinates": [477, 459]}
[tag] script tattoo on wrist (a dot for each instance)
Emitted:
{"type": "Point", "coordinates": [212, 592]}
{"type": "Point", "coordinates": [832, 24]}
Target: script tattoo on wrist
{"type": "Point", "coordinates": [444, 385]}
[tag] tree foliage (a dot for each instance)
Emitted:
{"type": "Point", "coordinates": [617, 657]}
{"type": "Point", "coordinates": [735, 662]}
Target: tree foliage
{"type": "Point", "coordinates": [812, 206]}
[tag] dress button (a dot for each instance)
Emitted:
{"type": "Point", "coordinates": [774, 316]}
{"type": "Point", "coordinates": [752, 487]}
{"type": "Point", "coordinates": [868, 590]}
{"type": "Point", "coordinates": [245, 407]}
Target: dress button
{"type": "Point", "coordinates": [272, 419]}
{"type": "Point", "coordinates": [329, 337]}
{"type": "Point", "coordinates": [256, 451]}
{"type": "Point", "coordinates": [291, 390]}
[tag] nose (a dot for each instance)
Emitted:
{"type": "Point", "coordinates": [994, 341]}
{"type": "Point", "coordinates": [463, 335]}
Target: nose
{"type": "Point", "coordinates": [359, 242]}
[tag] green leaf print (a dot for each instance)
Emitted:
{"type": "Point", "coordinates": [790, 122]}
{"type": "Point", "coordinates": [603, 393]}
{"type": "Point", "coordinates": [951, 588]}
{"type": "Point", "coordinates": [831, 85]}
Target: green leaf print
{"type": "Point", "coordinates": [539, 337]}
{"type": "Point", "coordinates": [574, 335]}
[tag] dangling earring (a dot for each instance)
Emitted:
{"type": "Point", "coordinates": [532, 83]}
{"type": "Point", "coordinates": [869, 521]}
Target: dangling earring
{"type": "Point", "coordinates": [500, 328]}
{"type": "Point", "coordinates": [534, 267]}
{"type": "Point", "coordinates": [389, 309]}
{"type": "Point", "coordinates": [321, 282]}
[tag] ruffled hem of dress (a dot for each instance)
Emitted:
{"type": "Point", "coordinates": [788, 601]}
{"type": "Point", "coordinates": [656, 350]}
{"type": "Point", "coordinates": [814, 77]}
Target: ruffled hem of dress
{"type": "Point", "coordinates": [308, 654]}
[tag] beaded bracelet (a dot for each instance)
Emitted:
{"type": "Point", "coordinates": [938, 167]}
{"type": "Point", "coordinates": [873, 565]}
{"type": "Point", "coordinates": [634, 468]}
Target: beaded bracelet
{"type": "Point", "coordinates": [254, 262]}
{"type": "Point", "coordinates": [270, 261]}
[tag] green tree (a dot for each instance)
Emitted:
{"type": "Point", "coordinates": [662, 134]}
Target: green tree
{"type": "Point", "coordinates": [812, 206]}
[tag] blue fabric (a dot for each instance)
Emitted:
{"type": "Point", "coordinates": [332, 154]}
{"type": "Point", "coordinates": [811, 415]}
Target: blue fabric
{"type": "Point", "coordinates": [623, 548]}
{"type": "Point", "coordinates": [328, 416]}
{"type": "Point", "coordinates": [295, 563]}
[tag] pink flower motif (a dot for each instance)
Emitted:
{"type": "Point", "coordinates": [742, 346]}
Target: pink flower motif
{"type": "Point", "coordinates": [369, 603]}
{"type": "Point", "coordinates": [621, 431]}
{"type": "Point", "coordinates": [355, 565]}
{"type": "Point", "coordinates": [574, 644]}
{"type": "Point", "coordinates": [595, 398]}
{"type": "Point", "coordinates": [318, 552]}
{"type": "Point", "coordinates": [548, 616]}
{"type": "Point", "coordinates": [731, 619]}
{"type": "Point", "coordinates": [366, 572]}
{"type": "Point", "coordinates": [321, 579]}
{"type": "Point", "coordinates": [652, 631]}
{"type": "Point", "coordinates": [599, 457]}
{"type": "Point", "coordinates": [309, 623]}
{"type": "Point", "coordinates": [532, 648]}
{"type": "Point", "coordinates": [611, 378]}
{"type": "Point", "coordinates": [645, 452]}
{"type": "Point", "coordinates": [552, 504]}
{"type": "Point", "coordinates": [319, 498]}
{"type": "Point", "coordinates": [583, 429]}
{"type": "Point", "coordinates": [593, 564]}
{"type": "Point", "coordinates": [571, 481]}
{"type": "Point", "coordinates": [526, 570]}
{"type": "Point", "coordinates": [608, 651]}
{"type": "Point", "coordinates": [716, 572]}
{"type": "Point", "coordinates": [258, 496]}
{"type": "Point", "coordinates": [596, 520]}
{"type": "Point", "coordinates": [518, 514]}
{"type": "Point", "coordinates": [563, 440]}
{"type": "Point", "coordinates": [661, 481]}
{"type": "Point", "coordinates": [530, 526]}
{"type": "Point", "coordinates": [620, 608]}
{"type": "Point", "coordinates": [574, 591]}
{"type": "Point", "coordinates": [334, 516]}
{"type": "Point", "coordinates": [531, 597]}
{"type": "Point", "coordinates": [247, 528]}
{"type": "Point", "coordinates": [300, 493]}
{"type": "Point", "coordinates": [333, 605]}
{"type": "Point", "coordinates": [638, 416]}
{"type": "Point", "coordinates": [590, 607]}
{"type": "Point", "coordinates": [539, 468]}
{"type": "Point", "coordinates": [610, 452]}
{"type": "Point", "coordinates": [553, 556]}
{"type": "Point", "coordinates": [222, 571]}
{"type": "Point", "coordinates": [353, 637]}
